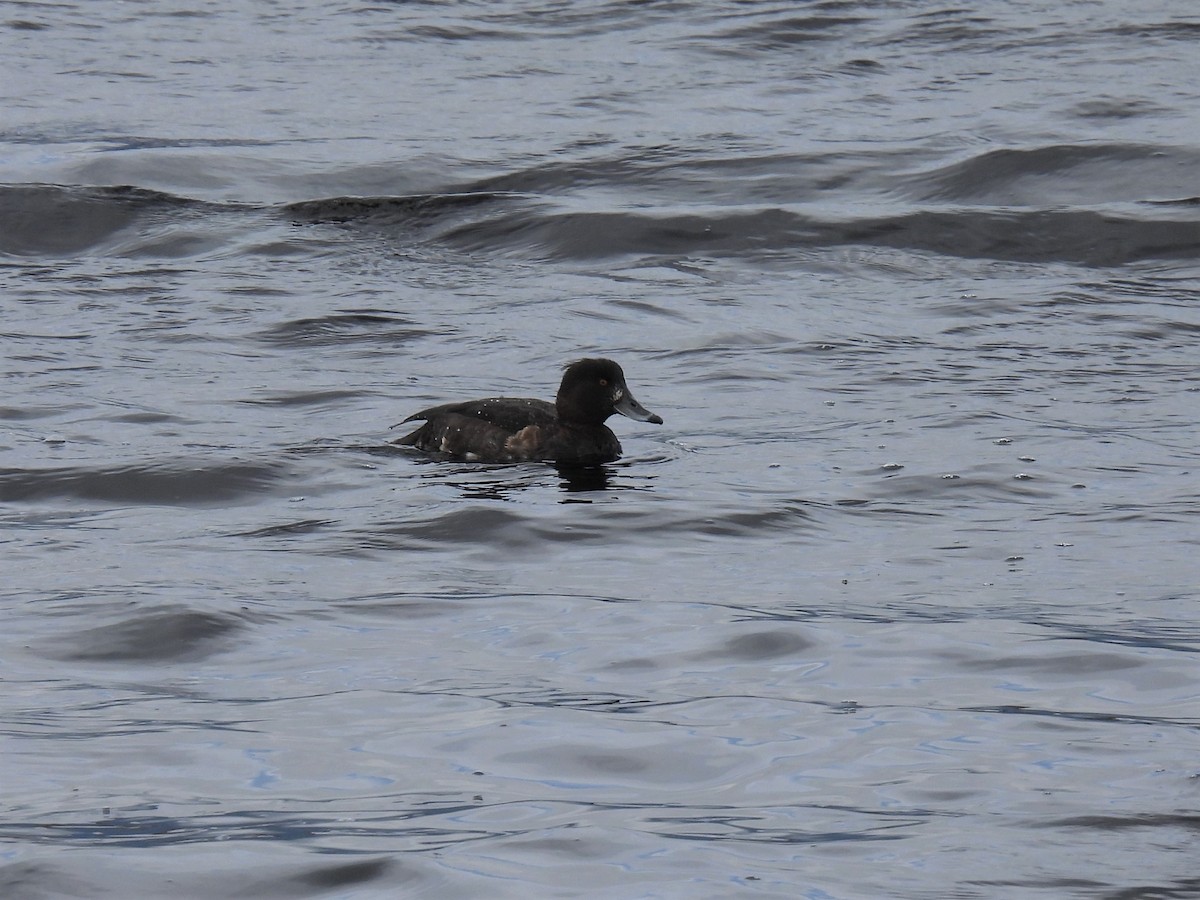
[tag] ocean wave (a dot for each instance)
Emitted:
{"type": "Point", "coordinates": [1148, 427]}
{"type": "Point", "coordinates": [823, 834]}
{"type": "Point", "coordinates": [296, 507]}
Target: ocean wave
{"type": "Point", "coordinates": [63, 220]}
{"type": "Point", "coordinates": [156, 635]}
{"type": "Point", "coordinates": [1084, 237]}
{"type": "Point", "coordinates": [338, 329]}
{"type": "Point", "coordinates": [173, 483]}
{"type": "Point", "coordinates": [1086, 204]}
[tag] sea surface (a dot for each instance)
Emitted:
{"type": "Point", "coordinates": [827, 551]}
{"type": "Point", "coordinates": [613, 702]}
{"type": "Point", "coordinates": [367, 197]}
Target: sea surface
{"type": "Point", "coordinates": [902, 600]}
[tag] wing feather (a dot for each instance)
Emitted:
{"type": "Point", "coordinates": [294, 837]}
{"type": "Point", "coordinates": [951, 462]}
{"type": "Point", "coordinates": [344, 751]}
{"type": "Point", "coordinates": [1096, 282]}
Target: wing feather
{"type": "Point", "coordinates": [478, 428]}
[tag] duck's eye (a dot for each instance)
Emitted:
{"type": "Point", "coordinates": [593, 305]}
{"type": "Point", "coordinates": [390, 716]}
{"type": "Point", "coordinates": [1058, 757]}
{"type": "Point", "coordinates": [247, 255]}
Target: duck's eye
{"type": "Point", "coordinates": [603, 382]}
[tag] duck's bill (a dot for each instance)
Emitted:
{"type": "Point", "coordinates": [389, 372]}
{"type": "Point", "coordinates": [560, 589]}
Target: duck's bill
{"type": "Point", "coordinates": [627, 406]}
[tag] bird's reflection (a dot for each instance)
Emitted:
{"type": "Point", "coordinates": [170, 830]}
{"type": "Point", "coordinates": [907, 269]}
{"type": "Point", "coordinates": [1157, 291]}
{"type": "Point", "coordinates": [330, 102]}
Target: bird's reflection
{"type": "Point", "coordinates": [499, 481]}
{"type": "Point", "coordinates": [577, 479]}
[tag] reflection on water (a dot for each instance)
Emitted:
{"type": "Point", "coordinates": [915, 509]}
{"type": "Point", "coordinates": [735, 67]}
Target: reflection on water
{"type": "Point", "coordinates": [580, 479]}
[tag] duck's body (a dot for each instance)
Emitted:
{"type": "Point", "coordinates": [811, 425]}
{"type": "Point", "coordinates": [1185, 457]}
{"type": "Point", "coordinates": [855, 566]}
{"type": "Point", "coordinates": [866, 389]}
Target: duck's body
{"type": "Point", "coordinates": [512, 429]}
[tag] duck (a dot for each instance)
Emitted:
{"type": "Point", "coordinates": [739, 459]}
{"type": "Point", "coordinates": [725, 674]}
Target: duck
{"type": "Point", "coordinates": [569, 431]}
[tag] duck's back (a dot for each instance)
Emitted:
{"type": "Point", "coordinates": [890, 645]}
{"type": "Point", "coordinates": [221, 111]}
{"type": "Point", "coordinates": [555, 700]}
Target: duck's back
{"type": "Point", "coordinates": [479, 429]}
{"type": "Point", "coordinates": [508, 429]}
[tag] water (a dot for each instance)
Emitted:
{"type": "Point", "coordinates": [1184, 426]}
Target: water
{"type": "Point", "coordinates": [899, 601]}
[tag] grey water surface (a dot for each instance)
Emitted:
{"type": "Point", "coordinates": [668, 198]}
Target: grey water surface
{"type": "Point", "coordinates": [900, 601]}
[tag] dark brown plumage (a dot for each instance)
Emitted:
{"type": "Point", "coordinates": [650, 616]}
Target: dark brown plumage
{"type": "Point", "coordinates": [511, 429]}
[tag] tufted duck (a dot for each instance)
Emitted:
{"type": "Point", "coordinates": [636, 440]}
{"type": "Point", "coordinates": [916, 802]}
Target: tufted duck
{"type": "Point", "coordinates": [508, 429]}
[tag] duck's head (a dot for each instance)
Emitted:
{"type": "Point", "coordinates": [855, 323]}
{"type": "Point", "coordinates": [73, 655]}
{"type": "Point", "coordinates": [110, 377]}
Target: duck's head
{"type": "Point", "coordinates": [594, 389]}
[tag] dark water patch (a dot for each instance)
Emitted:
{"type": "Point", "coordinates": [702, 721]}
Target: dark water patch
{"type": "Point", "coordinates": [1148, 328]}
{"type": "Point", "coordinates": [352, 326]}
{"type": "Point", "coordinates": [57, 520]}
{"type": "Point", "coordinates": [737, 826]}
{"type": "Point", "coordinates": [872, 509]}
{"type": "Point", "coordinates": [37, 881]}
{"type": "Point", "coordinates": [1176, 31]}
{"type": "Point", "coordinates": [645, 308]}
{"type": "Point", "coordinates": [431, 605]}
{"type": "Point", "coordinates": [585, 479]}
{"type": "Point", "coordinates": [353, 827]}
{"type": "Point", "coordinates": [528, 25]}
{"type": "Point", "coordinates": [674, 175]}
{"type": "Point", "coordinates": [1132, 514]}
{"type": "Point", "coordinates": [790, 517]}
{"type": "Point", "coordinates": [56, 220]}
{"type": "Point", "coordinates": [956, 28]}
{"type": "Point", "coordinates": [646, 167]}
{"type": "Point", "coordinates": [148, 418]}
{"type": "Point", "coordinates": [785, 33]}
{"type": "Point", "coordinates": [341, 875]}
{"type": "Point", "coordinates": [555, 698]}
{"type": "Point", "coordinates": [1116, 108]}
{"type": "Point", "coordinates": [492, 526]}
{"type": "Point", "coordinates": [1069, 236]}
{"type": "Point", "coordinates": [1188, 823]}
{"type": "Point", "coordinates": [170, 635]}
{"type": "Point", "coordinates": [503, 216]}
{"type": "Point", "coordinates": [1077, 716]}
{"type": "Point", "coordinates": [86, 721]}
{"type": "Point", "coordinates": [760, 646]}
{"type": "Point", "coordinates": [382, 212]}
{"type": "Point", "coordinates": [848, 606]}
{"type": "Point", "coordinates": [21, 336]}
{"type": "Point", "coordinates": [1049, 886]}
{"type": "Point", "coordinates": [1178, 291]}
{"type": "Point", "coordinates": [861, 67]}
{"type": "Point", "coordinates": [302, 526]}
{"type": "Point", "coordinates": [1182, 201]}
{"type": "Point", "coordinates": [506, 529]}
{"type": "Point", "coordinates": [172, 483]}
{"type": "Point", "coordinates": [1185, 821]}
{"type": "Point", "coordinates": [504, 481]}
{"type": "Point", "coordinates": [1137, 889]}
{"type": "Point", "coordinates": [116, 142]}
{"type": "Point", "coordinates": [589, 236]}
{"type": "Point", "coordinates": [631, 474]}
{"type": "Point", "coordinates": [1033, 236]}
{"type": "Point", "coordinates": [1176, 637]}
{"type": "Point", "coordinates": [1056, 664]}
{"type": "Point", "coordinates": [337, 445]}
{"type": "Point", "coordinates": [1044, 176]}
{"type": "Point", "coordinates": [462, 33]}
{"type": "Point", "coordinates": [29, 413]}
{"type": "Point", "coordinates": [306, 398]}
{"type": "Point", "coordinates": [742, 343]}
{"type": "Point", "coordinates": [959, 487]}
{"type": "Point", "coordinates": [419, 603]}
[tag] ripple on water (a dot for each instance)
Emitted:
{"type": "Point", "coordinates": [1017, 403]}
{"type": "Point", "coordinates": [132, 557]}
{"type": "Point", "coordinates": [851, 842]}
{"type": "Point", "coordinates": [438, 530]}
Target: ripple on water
{"type": "Point", "coordinates": [151, 636]}
{"type": "Point", "coordinates": [170, 483]}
